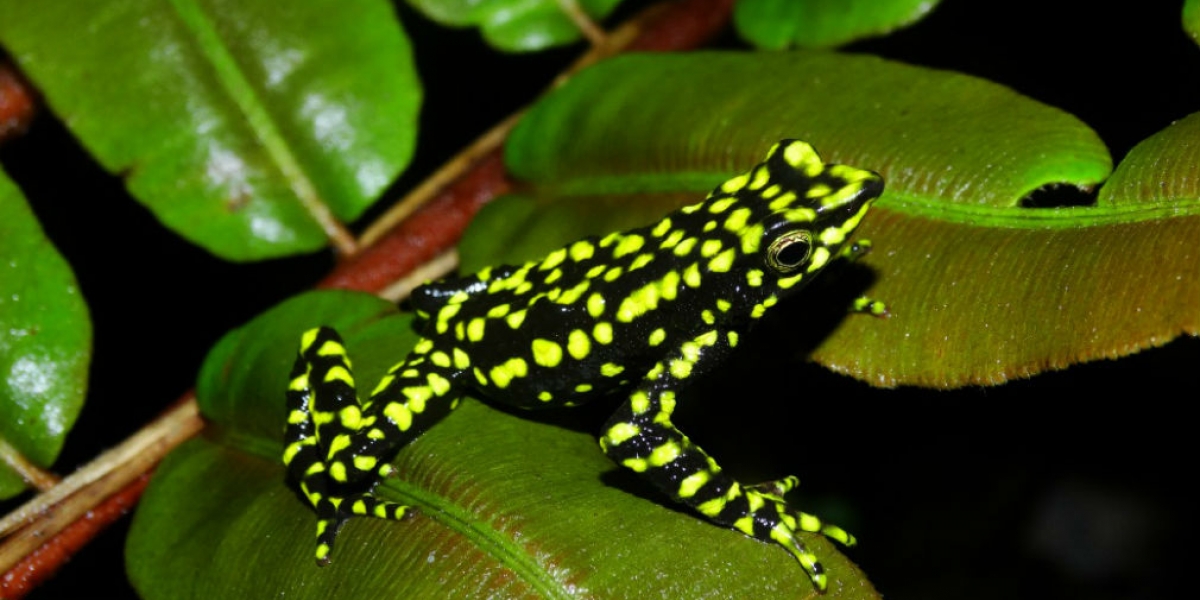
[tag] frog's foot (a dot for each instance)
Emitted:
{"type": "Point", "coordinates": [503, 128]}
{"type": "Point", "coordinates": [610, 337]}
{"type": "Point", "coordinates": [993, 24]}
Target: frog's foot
{"type": "Point", "coordinates": [784, 526]}
{"type": "Point", "coordinates": [338, 510]}
{"type": "Point", "coordinates": [869, 306]}
{"type": "Point", "coordinates": [775, 490]}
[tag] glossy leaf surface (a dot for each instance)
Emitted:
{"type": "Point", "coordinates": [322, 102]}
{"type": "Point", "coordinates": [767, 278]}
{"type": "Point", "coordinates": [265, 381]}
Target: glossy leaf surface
{"type": "Point", "coordinates": [46, 343]}
{"type": "Point", "coordinates": [508, 507]}
{"type": "Point", "coordinates": [224, 115]}
{"type": "Point", "coordinates": [981, 289]}
{"type": "Point", "coordinates": [515, 25]}
{"type": "Point", "coordinates": [780, 24]}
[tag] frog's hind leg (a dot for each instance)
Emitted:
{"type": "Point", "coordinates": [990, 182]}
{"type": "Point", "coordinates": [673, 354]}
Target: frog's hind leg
{"type": "Point", "coordinates": [641, 437]}
{"type": "Point", "coordinates": [337, 448]}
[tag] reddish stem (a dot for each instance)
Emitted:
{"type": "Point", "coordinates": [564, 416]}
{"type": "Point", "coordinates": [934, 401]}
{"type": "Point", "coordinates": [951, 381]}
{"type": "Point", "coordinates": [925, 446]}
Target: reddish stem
{"type": "Point", "coordinates": [44, 562]}
{"type": "Point", "coordinates": [17, 105]}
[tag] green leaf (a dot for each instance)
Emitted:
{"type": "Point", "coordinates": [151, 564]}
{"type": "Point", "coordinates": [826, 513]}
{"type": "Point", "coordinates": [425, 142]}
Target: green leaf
{"type": "Point", "coordinates": [507, 506]}
{"type": "Point", "coordinates": [1191, 19]}
{"type": "Point", "coordinates": [1070, 284]}
{"type": "Point", "coordinates": [47, 341]}
{"type": "Point", "coordinates": [224, 116]}
{"type": "Point", "coordinates": [938, 137]}
{"type": "Point", "coordinates": [778, 24]}
{"type": "Point", "coordinates": [515, 25]}
{"type": "Point", "coordinates": [981, 289]}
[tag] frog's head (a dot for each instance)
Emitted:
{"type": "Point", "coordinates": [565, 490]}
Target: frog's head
{"type": "Point", "coordinates": [811, 209]}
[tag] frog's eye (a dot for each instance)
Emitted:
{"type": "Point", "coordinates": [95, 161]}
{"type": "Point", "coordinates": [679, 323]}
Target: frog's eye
{"type": "Point", "coordinates": [789, 251]}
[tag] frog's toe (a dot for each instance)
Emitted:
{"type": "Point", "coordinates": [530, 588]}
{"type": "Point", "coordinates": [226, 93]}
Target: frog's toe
{"type": "Point", "coordinates": [869, 306]}
{"type": "Point", "coordinates": [775, 489]}
{"type": "Point", "coordinates": [790, 540]}
{"type": "Point", "coordinates": [327, 530]}
{"type": "Point", "coordinates": [365, 504]}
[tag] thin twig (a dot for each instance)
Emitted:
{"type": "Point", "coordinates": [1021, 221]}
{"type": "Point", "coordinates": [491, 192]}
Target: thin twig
{"type": "Point", "coordinates": [32, 474]}
{"type": "Point", "coordinates": [490, 140]}
{"type": "Point", "coordinates": [586, 25]}
{"type": "Point", "coordinates": [435, 268]}
{"type": "Point", "coordinates": [48, 512]}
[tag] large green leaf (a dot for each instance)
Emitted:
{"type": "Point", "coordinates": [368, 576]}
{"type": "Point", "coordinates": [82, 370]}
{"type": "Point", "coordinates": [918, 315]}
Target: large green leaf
{"type": "Point", "coordinates": [981, 288]}
{"type": "Point", "coordinates": [515, 25]}
{"type": "Point", "coordinates": [224, 116]}
{"type": "Point", "coordinates": [508, 507]}
{"type": "Point", "coordinates": [46, 343]}
{"type": "Point", "coordinates": [822, 23]}
{"type": "Point", "coordinates": [937, 136]}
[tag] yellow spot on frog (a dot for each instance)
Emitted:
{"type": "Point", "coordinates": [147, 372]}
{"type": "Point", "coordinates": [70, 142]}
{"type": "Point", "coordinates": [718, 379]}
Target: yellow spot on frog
{"type": "Point", "coordinates": [657, 336]}
{"type": "Point", "coordinates": [720, 205]}
{"type": "Point", "coordinates": [339, 373]}
{"type": "Point", "coordinates": [620, 433]}
{"type": "Point", "coordinates": [664, 454]}
{"type": "Point", "coordinates": [672, 239]}
{"type": "Point", "coordinates": [546, 352]}
{"type": "Point", "coordinates": [578, 344]}
{"type": "Point", "coordinates": [603, 332]}
{"type": "Point", "coordinates": [751, 238]}
{"type": "Point", "coordinates": [475, 329]}
{"type": "Point", "coordinates": [595, 305]}
{"type": "Point", "coordinates": [692, 484]}
{"type": "Point", "coordinates": [515, 319]}
{"type": "Point", "coordinates": [582, 250]}
{"type": "Point", "coordinates": [735, 184]}
{"type": "Point", "coordinates": [639, 402]}
{"type": "Point", "coordinates": [553, 259]}
{"type": "Point", "coordinates": [628, 245]}
{"type": "Point", "coordinates": [691, 275]}
{"type": "Point", "coordinates": [399, 414]}
{"type": "Point", "coordinates": [461, 359]}
{"type": "Point", "coordinates": [641, 261]}
{"type": "Point", "coordinates": [737, 219]}
{"type": "Point", "coordinates": [611, 369]}
{"type": "Point", "coordinates": [722, 262]}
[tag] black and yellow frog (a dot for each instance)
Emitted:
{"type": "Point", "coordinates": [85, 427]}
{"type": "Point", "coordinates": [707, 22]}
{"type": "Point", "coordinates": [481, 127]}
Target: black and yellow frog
{"type": "Point", "coordinates": [637, 314]}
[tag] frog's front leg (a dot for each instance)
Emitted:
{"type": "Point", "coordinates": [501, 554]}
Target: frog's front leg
{"type": "Point", "coordinates": [863, 304]}
{"type": "Point", "coordinates": [337, 448]}
{"type": "Point", "coordinates": [641, 437]}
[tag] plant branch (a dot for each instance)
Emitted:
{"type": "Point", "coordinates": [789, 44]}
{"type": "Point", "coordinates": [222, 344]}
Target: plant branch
{"type": "Point", "coordinates": [49, 512]}
{"type": "Point", "coordinates": [32, 474]}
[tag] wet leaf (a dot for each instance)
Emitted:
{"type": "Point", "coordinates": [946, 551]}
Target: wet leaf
{"type": "Point", "coordinates": [46, 343]}
{"type": "Point", "coordinates": [225, 116]}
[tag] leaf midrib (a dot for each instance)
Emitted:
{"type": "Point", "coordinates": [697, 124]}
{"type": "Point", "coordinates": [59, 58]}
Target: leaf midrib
{"type": "Point", "coordinates": [439, 508]}
{"type": "Point", "coordinates": [236, 84]}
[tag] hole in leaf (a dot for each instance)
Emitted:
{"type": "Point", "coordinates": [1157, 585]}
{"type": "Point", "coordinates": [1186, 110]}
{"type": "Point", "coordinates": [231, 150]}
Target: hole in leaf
{"type": "Point", "coordinates": [1059, 195]}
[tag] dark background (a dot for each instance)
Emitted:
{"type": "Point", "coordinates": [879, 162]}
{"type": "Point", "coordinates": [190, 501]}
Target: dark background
{"type": "Point", "coordinates": [1068, 484]}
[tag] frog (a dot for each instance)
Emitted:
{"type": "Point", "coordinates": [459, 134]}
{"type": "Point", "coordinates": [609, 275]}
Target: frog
{"type": "Point", "coordinates": [638, 315]}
